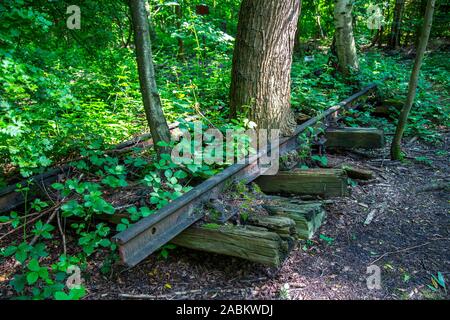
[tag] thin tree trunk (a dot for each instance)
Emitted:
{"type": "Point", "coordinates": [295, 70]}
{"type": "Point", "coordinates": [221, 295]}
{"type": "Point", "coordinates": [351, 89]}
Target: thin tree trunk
{"type": "Point", "coordinates": [345, 42]}
{"type": "Point", "coordinates": [380, 39]}
{"type": "Point", "coordinates": [319, 24]}
{"type": "Point", "coordinates": [261, 80]}
{"type": "Point", "coordinates": [421, 7]}
{"type": "Point", "coordinates": [297, 42]}
{"type": "Point", "coordinates": [179, 13]}
{"type": "Point", "coordinates": [150, 96]}
{"type": "Point", "coordinates": [396, 153]}
{"type": "Point", "coordinates": [375, 39]}
{"type": "Point", "coordinates": [381, 32]}
{"type": "Point", "coordinates": [394, 40]}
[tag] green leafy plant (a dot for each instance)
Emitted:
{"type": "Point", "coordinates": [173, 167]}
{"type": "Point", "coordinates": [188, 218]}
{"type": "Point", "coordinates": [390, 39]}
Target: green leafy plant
{"type": "Point", "coordinates": [437, 282]}
{"type": "Point", "coordinates": [328, 240]}
{"type": "Point", "coordinates": [323, 160]}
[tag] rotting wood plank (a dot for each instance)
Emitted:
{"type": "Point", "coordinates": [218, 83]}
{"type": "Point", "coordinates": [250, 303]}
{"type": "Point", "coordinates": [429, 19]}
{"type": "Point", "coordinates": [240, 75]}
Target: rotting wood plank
{"type": "Point", "coordinates": [354, 172]}
{"type": "Point", "coordinates": [321, 182]}
{"type": "Point", "coordinates": [254, 244]}
{"type": "Point", "coordinates": [283, 226]}
{"type": "Point", "coordinates": [149, 234]}
{"type": "Point", "coordinates": [307, 217]}
{"type": "Point", "coordinates": [364, 138]}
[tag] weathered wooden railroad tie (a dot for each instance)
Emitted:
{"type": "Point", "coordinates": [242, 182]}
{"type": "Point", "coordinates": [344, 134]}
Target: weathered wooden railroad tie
{"type": "Point", "coordinates": [315, 182]}
{"type": "Point", "coordinates": [265, 239]}
{"type": "Point", "coordinates": [364, 138]}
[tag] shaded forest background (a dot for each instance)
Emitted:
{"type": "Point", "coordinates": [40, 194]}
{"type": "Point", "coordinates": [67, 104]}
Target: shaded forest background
{"type": "Point", "coordinates": [62, 90]}
{"type": "Point", "coordinates": [68, 96]}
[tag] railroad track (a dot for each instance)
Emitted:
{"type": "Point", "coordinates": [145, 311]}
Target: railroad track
{"type": "Point", "coordinates": [149, 234]}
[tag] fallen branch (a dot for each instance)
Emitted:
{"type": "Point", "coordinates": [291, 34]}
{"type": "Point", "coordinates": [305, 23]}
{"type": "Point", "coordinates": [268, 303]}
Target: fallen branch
{"type": "Point", "coordinates": [407, 249]}
{"type": "Point", "coordinates": [61, 231]}
{"type": "Point", "coordinates": [40, 214]}
{"type": "Point", "coordinates": [437, 186]}
{"type": "Point", "coordinates": [178, 293]}
{"type": "Point", "coordinates": [50, 219]}
{"type": "Point", "coordinates": [370, 217]}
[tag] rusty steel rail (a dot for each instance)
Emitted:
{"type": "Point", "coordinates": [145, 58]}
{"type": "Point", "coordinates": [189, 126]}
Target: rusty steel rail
{"type": "Point", "coordinates": [149, 234]}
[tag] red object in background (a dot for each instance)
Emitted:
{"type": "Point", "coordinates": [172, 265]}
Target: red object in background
{"type": "Point", "coordinates": [202, 9]}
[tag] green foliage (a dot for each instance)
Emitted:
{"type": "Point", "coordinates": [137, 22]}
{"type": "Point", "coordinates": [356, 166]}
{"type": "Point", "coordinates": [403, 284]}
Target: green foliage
{"type": "Point", "coordinates": [430, 109]}
{"type": "Point", "coordinates": [164, 252]}
{"type": "Point", "coordinates": [314, 86]}
{"type": "Point", "coordinates": [37, 281]}
{"type": "Point", "coordinates": [352, 182]}
{"type": "Point", "coordinates": [437, 283]}
{"type": "Point", "coordinates": [66, 95]}
{"type": "Point", "coordinates": [424, 160]}
{"type": "Point", "coordinates": [323, 160]}
{"type": "Point", "coordinates": [328, 240]}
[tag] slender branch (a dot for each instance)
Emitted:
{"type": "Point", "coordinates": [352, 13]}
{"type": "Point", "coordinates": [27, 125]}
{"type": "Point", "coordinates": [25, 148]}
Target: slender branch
{"type": "Point", "coordinates": [407, 249]}
{"type": "Point", "coordinates": [61, 231]}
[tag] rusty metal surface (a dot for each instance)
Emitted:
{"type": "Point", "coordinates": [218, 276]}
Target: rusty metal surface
{"type": "Point", "coordinates": [149, 234]}
{"type": "Point", "coordinates": [10, 199]}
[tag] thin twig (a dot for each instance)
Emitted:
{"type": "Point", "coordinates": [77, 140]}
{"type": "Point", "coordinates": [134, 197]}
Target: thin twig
{"type": "Point", "coordinates": [63, 236]}
{"type": "Point", "coordinates": [50, 219]}
{"type": "Point", "coordinates": [180, 293]}
{"type": "Point", "coordinates": [407, 249]}
{"type": "Point", "coordinates": [21, 217]}
{"type": "Point", "coordinates": [39, 215]}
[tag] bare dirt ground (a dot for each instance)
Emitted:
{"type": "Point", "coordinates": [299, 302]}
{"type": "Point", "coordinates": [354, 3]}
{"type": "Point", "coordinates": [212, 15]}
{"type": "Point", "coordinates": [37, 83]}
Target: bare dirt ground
{"type": "Point", "coordinates": [408, 239]}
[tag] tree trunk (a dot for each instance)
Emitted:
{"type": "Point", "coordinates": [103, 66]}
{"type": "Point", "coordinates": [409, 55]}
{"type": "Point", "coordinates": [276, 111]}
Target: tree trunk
{"type": "Point", "coordinates": [345, 42]}
{"type": "Point", "coordinates": [179, 13]}
{"type": "Point", "coordinates": [297, 42]}
{"type": "Point", "coordinates": [421, 6]}
{"type": "Point", "coordinates": [150, 96]}
{"type": "Point", "coordinates": [319, 24]}
{"type": "Point", "coordinates": [375, 39]}
{"type": "Point", "coordinates": [261, 75]}
{"type": "Point", "coordinates": [394, 41]}
{"type": "Point", "coordinates": [396, 153]}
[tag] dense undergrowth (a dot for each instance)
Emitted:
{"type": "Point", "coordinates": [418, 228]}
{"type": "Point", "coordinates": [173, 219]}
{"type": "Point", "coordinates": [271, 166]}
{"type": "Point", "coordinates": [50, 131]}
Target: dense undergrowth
{"type": "Point", "coordinates": [47, 117]}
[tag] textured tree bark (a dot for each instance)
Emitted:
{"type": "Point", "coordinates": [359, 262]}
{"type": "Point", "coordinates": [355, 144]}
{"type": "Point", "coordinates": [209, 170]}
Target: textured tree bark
{"type": "Point", "coordinates": [345, 42]}
{"type": "Point", "coordinates": [320, 32]}
{"type": "Point", "coordinates": [394, 41]}
{"type": "Point", "coordinates": [179, 13]}
{"type": "Point", "coordinates": [396, 153]}
{"type": "Point", "coordinates": [421, 6]}
{"type": "Point", "coordinates": [261, 80]}
{"type": "Point", "coordinates": [150, 96]}
{"type": "Point", "coordinates": [297, 42]}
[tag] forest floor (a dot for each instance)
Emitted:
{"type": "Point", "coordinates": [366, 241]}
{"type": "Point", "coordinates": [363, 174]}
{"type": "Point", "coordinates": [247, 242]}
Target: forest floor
{"type": "Point", "coordinates": [408, 239]}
